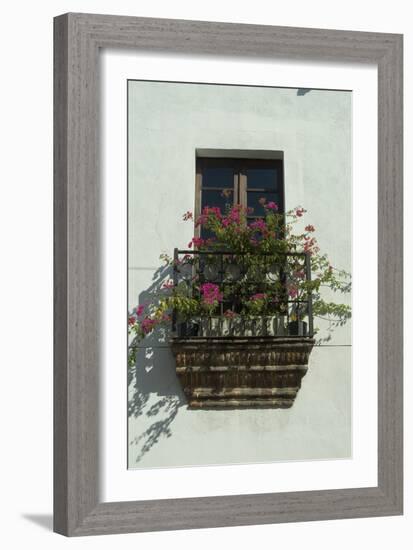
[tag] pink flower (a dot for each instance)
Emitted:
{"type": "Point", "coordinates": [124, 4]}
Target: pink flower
{"type": "Point", "coordinates": [299, 212]}
{"type": "Point", "coordinates": [293, 291]}
{"type": "Point", "coordinates": [258, 296]}
{"type": "Point", "coordinates": [272, 206]}
{"type": "Point", "coordinates": [233, 215]}
{"type": "Point", "coordinates": [139, 310]}
{"type": "Point", "coordinates": [299, 274]}
{"type": "Point", "coordinates": [148, 325]}
{"type": "Point", "coordinates": [212, 210]}
{"type": "Point", "coordinates": [310, 228]}
{"type": "Point", "coordinates": [201, 220]}
{"type": "Point", "coordinates": [310, 245]}
{"type": "Point", "coordinates": [229, 314]}
{"type": "Point", "coordinates": [131, 320]}
{"type": "Point", "coordinates": [196, 241]}
{"type": "Point", "coordinates": [210, 293]}
{"type": "Point", "coordinates": [168, 285]}
{"type": "Point", "coordinates": [259, 224]}
{"type": "Point", "coordinates": [187, 216]}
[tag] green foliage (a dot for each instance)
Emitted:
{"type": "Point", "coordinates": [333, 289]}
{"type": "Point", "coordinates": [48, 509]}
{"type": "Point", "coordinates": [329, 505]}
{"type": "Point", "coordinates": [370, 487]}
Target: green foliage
{"type": "Point", "coordinates": [252, 249]}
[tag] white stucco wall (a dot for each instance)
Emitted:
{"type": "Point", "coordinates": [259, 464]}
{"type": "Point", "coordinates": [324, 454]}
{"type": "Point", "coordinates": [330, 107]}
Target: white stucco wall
{"type": "Point", "coordinates": [167, 123]}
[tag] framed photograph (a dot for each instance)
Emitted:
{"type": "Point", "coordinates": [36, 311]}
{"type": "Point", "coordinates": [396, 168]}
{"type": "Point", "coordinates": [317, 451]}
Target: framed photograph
{"type": "Point", "coordinates": [228, 274]}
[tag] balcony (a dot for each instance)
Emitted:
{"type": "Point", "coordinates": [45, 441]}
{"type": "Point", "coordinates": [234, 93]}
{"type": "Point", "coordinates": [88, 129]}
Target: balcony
{"type": "Point", "coordinates": [251, 347]}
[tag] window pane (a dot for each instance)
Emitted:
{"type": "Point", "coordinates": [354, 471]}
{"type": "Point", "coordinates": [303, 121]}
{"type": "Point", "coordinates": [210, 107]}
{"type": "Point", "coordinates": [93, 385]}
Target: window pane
{"type": "Point", "coordinates": [262, 178]}
{"type": "Point", "coordinates": [217, 198]}
{"type": "Point", "coordinates": [253, 198]}
{"type": "Point", "coordinates": [218, 177]}
{"type": "Point", "coordinates": [206, 234]}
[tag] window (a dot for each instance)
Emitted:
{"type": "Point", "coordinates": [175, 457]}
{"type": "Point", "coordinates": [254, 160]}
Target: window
{"type": "Point", "coordinates": [223, 182]}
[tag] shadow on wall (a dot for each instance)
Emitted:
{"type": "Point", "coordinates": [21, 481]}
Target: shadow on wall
{"type": "Point", "coordinates": [155, 396]}
{"type": "Point", "coordinates": [154, 392]}
{"type": "Point", "coordinates": [325, 339]}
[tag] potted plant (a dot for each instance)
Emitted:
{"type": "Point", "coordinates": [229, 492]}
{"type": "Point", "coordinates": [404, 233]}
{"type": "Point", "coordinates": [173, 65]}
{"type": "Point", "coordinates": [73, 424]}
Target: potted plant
{"type": "Point", "coordinates": [241, 303]}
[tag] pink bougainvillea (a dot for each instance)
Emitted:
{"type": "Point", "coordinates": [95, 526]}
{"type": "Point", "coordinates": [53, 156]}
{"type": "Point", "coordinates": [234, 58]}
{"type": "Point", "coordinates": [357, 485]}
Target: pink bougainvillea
{"type": "Point", "coordinates": [211, 293]}
{"type": "Point", "coordinates": [215, 210]}
{"type": "Point", "coordinates": [310, 245]}
{"type": "Point", "coordinates": [293, 291]}
{"type": "Point", "coordinates": [254, 243]}
{"type": "Point", "coordinates": [258, 296]}
{"type": "Point", "coordinates": [299, 274]}
{"type": "Point", "coordinates": [234, 215]}
{"type": "Point", "coordinates": [168, 285]}
{"type": "Point", "coordinates": [259, 224]}
{"type": "Point", "coordinates": [196, 241]}
{"type": "Point", "coordinates": [148, 325]}
{"type": "Point", "coordinates": [229, 314]}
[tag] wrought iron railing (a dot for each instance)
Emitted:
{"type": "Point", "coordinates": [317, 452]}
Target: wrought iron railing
{"type": "Point", "coordinates": [240, 276]}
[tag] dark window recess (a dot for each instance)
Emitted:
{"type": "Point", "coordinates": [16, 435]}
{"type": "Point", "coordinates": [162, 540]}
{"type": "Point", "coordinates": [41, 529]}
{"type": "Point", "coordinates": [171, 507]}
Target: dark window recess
{"type": "Point", "coordinates": [223, 182]}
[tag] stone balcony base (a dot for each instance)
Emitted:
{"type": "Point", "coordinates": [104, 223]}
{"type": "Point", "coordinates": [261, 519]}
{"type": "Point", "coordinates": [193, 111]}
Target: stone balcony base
{"type": "Point", "coordinates": [241, 372]}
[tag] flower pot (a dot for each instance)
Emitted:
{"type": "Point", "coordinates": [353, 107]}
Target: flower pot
{"type": "Point", "coordinates": [252, 326]}
{"type": "Point", "coordinates": [279, 327]}
{"type": "Point", "coordinates": [211, 326]}
{"type": "Point", "coordinates": [297, 328]}
{"type": "Point", "coordinates": [188, 329]}
{"type": "Point", "coordinates": [241, 372]}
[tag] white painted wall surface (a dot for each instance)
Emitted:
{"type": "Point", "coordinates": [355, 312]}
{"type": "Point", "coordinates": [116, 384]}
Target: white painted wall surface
{"type": "Point", "coordinates": [168, 122]}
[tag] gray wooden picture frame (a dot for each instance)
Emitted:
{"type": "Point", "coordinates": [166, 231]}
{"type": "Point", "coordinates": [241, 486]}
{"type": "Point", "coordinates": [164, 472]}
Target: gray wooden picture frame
{"type": "Point", "coordinates": [77, 506]}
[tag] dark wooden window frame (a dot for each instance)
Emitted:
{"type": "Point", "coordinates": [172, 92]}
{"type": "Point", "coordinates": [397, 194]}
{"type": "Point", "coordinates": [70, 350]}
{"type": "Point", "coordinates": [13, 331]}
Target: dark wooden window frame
{"type": "Point", "coordinates": [240, 181]}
